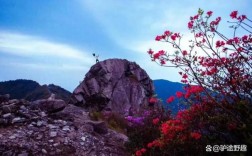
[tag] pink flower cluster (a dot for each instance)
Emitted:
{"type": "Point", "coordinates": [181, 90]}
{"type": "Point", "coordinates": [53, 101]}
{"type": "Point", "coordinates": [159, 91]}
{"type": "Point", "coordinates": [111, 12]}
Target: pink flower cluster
{"type": "Point", "coordinates": [135, 120]}
{"type": "Point", "coordinates": [234, 15]}
{"type": "Point", "coordinates": [167, 34]}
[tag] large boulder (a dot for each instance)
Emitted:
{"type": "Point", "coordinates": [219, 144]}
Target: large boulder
{"type": "Point", "coordinates": [48, 105]}
{"type": "Point", "coordinates": [114, 84]}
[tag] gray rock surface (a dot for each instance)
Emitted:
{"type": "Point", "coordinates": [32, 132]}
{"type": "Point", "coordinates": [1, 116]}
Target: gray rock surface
{"type": "Point", "coordinates": [114, 84]}
{"type": "Point", "coordinates": [29, 130]}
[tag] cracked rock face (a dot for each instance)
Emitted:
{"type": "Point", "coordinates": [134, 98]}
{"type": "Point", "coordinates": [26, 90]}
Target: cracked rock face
{"type": "Point", "coordinates": [114, 84]}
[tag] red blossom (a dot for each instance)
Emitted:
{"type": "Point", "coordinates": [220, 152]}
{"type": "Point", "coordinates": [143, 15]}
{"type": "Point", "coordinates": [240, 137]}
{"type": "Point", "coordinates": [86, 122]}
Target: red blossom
{"type": "Point", "coordinates": [203, 73]}
{"type": "Point", "coordinates": [155, 143]}
{"type": "Point", "coordinates": [240, 49]}
{"type": "Point", "coordinates": [193, 90]}
{"type": "Point", "coordinates": [158, 38]}
{"type": "Point", "coordinates": [177, 34]}
{"type": "Point", "coordinates": [173, 37]}
{"type": "Point", "coordinates": [190, 24]}
{"type": "Point", "coordinates": [218, 19]}
{"type": "Point", "coordinates": [213, 71]}
{"type": "Point", "coordinates": [170, 99]}
{"type": "Point", "coordinates": [138, 153]}
{"type": "Point", "coordinates": [179, 94]}
{"type": "Point", "coordinates": [199, 34]}
{"type": "Point", "coordinates": [212, 29]}
{"type": "Point", "coordinates": [220, 44]}
{"type": "Point", "coordinates": [196, 17]}
{"type": "Point", "coordinates": [150, 51]}
{"type": "Point", "coordinates": [162, 62]}
{"type": "Point", "coordinates": [158, 54]}
{"type": "Point", "coordinates": [153, 100]}
{"type": "Point", "coordinates": [230, 41]}
{"type": "Point", "coordinates": [215, 23]}
{"type": "Point", "coordinates": [187, 95]}
{"type": "Point", "coordinates": [212, 23]}
{"type": "Point", "coordinates": [149, 145]}
{"type": "Point", "coordinates": [184, 76]}
{"type": "Point", "coordinates": [161, 52]}
{"type": "Point", "coordinates": [234, 14]}
{"type": "Point", "coordinates": [242, 17]}
{"type": "Point", "coordinates": [195, 135]}
{"type": "Point", "coordinates": [155, 121]}
{"type": "Point", "coordinates": [143, 150]}
{"type": "Point", "coordinates": [209, 13]}
{"type": "Point", "coordinates": [167, 33]}
{"type": "Point", "coordinates": [171, 128]}
{"type": "Point", "coordinates": [184, 52]}
{"type": "Point", "coordinates": [245, 39]}
{"type": "Point", "coordinates": [236, 40]}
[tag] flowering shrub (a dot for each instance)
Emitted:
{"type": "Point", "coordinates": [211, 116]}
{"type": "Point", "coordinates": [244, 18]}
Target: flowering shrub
{"type": "Point", "coordinates": [144, 127]}
{"type": "Point", "coordinates": [226, 66]}
{"type": "Point", "coordinates": [219, 87]}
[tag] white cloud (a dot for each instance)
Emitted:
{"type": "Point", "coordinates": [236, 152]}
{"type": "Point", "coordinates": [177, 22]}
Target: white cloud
{"type": "Point", "coordinates": [41, 53]}
{"type": "Point", "coordinates": [32, 46]}
{"type": "Point", "coordinates": [32, 57]}
{"type": "Point", "coordinates": [40, 66]}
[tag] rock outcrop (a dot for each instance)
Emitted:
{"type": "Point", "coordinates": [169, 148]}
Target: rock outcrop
{"type": "Point", "coordinates": [49, 126]}
{"type": "Point", "coordinates": [114, 84]}
{"type": "Point", "coordinates": [48, 105]}
{"type": "Point", "coordinates": [41, 128]}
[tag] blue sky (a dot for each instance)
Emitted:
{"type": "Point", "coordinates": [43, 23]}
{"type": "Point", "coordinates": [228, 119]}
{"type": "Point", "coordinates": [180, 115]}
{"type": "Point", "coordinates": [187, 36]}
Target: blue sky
{"type": "Point", "coordinates": [52, 41]}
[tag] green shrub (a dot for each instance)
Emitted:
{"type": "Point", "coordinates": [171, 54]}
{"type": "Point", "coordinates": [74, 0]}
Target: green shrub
{"type": "Point", "coordinates": [113, 120]}
{"type": "Point", "coordinates": [95, 115]}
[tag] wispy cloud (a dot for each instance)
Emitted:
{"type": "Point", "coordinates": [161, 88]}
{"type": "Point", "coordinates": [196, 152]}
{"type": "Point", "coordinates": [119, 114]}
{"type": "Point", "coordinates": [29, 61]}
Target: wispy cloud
{"type": "Point", "coordinates": [36, 48]}
{"type": "Point", "coordinates": [44, 67]}
{"type": "Point", "coordinates": [26, 45]}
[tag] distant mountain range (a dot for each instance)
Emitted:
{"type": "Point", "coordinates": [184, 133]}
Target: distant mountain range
{"type": "Point", "coordinates": [164, 89]}
{"type": "Point", "coordinates": [31, 90]}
